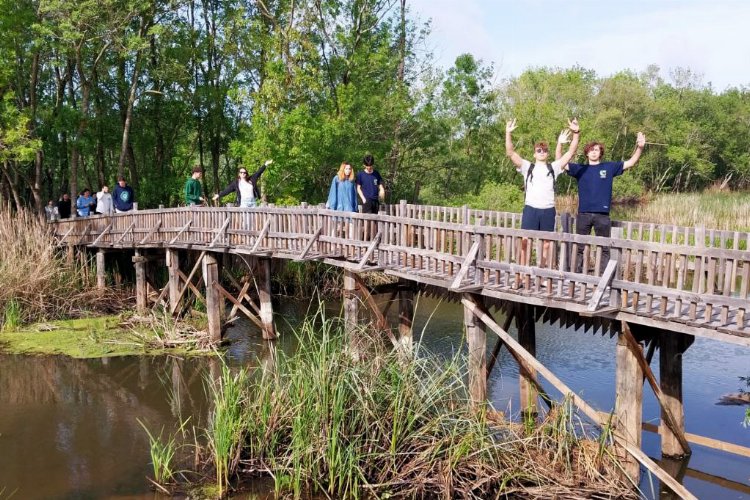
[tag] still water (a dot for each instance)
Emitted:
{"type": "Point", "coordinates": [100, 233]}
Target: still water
{"type": "Point", "coordinates": [70, 428]}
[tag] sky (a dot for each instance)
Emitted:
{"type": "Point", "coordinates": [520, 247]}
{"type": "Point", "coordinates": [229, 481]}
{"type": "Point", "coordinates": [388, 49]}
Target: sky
{"type": "Point", "coordinates": [710, 37]}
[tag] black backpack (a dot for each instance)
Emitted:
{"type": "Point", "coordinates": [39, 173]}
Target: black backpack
{"type": "Point", "coordinates": [550, 172]}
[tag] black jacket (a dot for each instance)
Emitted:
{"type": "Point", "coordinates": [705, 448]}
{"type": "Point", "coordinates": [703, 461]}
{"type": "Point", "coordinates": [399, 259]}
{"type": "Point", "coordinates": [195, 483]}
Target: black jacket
{"type": "Point", "coordinates": [234, 186]}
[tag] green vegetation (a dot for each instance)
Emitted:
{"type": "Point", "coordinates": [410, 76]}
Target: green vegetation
{"type": "Point", "coordinates": [715, 210]}
{"type": "Point", "coordinates": [162, 455]}
{"type": "Point", "coordinates": [91, 90]}
{"type": "Point", "coordinates": [101, 336]}
{"type": "Point", "coordinates": [318, 421]}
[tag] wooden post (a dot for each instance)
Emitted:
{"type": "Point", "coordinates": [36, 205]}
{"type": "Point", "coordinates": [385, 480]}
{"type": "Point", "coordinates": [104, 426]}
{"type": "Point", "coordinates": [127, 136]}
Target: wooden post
{"type": "Point", "coordinates": [173, 267]}
{"type": "Point", "coordinates": [527, 338]}
{"type": "Point", "coordinates": [141, 290]}
{"type": "Point", "coordinates": [672, 347]}
{"type": "Point", "coordinates": [476, 335]}
{"type": "Point", "coordinates": [351, 310]}
{"type": "Point", "coordinates": [405, 317]}
{"type": "Point", "coordinates": [264, 297]}
{"type": "Point", "coordinates": [101, 276]}
{"type": "Point", "coordinates": [615, 297]}
{"type": "Point", "coordinates": [214, 301]}
{"type": "Point", "coordinates": [629, 402]}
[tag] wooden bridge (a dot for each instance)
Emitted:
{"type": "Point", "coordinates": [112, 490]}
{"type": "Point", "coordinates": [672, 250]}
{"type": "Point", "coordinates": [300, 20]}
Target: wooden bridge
{"type": "Point", "coordinates": [661, 285]}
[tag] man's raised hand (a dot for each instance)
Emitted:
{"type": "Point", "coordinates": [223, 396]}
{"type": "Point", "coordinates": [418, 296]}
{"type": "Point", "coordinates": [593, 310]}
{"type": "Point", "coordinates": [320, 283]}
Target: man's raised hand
{"type": "Point", "coordinates": [510, 125]}
{"type": "Point", "coordinates": [573, 125]}
{"type": "Point", "coordinates": [640, 140]}
{"type": "Point", "coordinates": [564, 137]}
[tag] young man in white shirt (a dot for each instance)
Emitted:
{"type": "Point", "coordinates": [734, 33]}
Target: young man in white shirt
{"type": "Point", "coordinates": [539, 184]}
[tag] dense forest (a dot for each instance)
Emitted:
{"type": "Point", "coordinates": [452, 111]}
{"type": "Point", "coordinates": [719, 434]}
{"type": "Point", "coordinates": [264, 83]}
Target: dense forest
{"type": "Point", "coordinates": [92, 89]}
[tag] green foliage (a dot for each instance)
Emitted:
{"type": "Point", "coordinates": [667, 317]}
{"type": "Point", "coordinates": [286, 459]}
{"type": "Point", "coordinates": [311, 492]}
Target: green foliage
{"type": "Point", "coordinates": [162, 453]}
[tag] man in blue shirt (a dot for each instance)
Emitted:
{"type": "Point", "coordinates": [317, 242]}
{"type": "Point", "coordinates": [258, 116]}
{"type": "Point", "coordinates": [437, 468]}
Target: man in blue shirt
{"type": "Point", "coordinates": [123, 196]}
{"type": "Point", "coordinates": [595, 191]}
{"type": "Point", "coordinates": [370, 186]}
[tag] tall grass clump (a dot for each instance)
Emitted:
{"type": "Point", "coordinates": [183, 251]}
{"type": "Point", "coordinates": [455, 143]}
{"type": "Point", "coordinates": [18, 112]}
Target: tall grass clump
{"type": "Point", "coordinates": [714, 210]}
{"type": "Point", "coordinates": [37, 282]}
{"type": "Point", "coordinates": [226, 425]}
{"type": "Point", "coordinates": [162, 455]}
{"type": "Point", "coordinates": [389, 427]}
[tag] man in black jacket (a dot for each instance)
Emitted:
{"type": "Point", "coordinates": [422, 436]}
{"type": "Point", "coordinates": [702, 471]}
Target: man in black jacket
{"type": "Point", "coordinates": [63, 206]}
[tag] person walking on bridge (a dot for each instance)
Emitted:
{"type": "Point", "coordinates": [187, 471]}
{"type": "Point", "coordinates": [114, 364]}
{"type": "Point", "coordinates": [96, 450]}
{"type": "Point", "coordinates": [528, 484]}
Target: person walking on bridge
{"type": "Point", "coordinates": [245, 188]}
{"type": "Point", "coordinates": [595, 180]}
{"type": "Point", "coordinates": [539, 184]}
{"type": "Point", "coordinates": [370, 186]}
{"type": "Point", "coordinates": [193, 189]}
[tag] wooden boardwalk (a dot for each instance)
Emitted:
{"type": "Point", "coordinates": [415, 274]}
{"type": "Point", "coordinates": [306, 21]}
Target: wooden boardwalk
{"type": "Point", "coordinates": [682, 279]}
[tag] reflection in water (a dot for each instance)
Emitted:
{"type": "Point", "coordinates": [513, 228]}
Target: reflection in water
{"type": "Point", "coordinates": [69, 429]}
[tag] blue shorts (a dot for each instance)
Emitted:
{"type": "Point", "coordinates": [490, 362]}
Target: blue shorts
{"type": "Point", "coordinates": [538, 219]}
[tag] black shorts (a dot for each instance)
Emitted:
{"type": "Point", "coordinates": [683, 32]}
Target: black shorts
{"type": "Point", "coordinates": [538, 219]}
{"type": "Point", "coordinates": [370, 207]}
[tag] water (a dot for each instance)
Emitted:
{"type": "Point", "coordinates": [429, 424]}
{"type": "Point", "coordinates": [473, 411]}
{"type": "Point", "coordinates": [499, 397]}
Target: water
{"type": "Point", "coordinates": [69, 428]}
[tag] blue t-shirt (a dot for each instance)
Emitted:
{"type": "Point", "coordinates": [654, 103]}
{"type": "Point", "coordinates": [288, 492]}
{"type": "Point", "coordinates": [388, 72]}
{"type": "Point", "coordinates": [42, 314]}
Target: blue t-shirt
{"type": "Point", "coordinates": [123, 198]}
{"type": "Point", "coordinates": [595, 184]}
{"type": "Point", "coordinates": [369, 183]}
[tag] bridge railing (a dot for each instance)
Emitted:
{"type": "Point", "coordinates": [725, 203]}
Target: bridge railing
{"type": "Point", "coordinates": [676, 282]}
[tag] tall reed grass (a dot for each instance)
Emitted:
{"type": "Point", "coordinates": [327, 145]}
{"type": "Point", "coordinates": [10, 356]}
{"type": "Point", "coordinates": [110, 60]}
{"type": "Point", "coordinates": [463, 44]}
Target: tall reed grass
{"type": "Point", "coordinates": [321, 422]}
{"type": "Point", "coordinates": [38, 282]}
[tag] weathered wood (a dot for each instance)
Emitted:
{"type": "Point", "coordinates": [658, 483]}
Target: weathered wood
{"type": "Point", "coordinates": [715, 444]}
{"type": "Point", "coordinates": [672, 347]}
{"type": "Point", "coordinates": [237, 305]}
{"type": "Point", "coordinates": [370, 249]}
{"type": "Point", "coordinates": [125, 233]}
{"type": "Point", "coordinates": [173, 268]}
{"type": "Point", "coordinates": [188, 281]}
{"type": "Point", "coordinates": [527, 339]}
{"type": "Point", "coordinates": [310, 243]}
{"type": "Point", "coordinates": [263, 281]}
{"type": "Point", "coordinates": [101, 275]}
{"type": "Point", "coordinates": [405, 317]}
{"type": "Point", "coordinates": [151, 233]}
{"type": "Point", "coordinates": [263, 234]}
{"type": "Point", "coordinates": [602, 286]}
{"type": "Point", "coordinates": [214, 303]}
{"type": "Point", "coordinates": [380, 321]}
{"type": "Point", "coordinates": [629, 402]}
{"type": "Point", "coordinates": [499, 343]}
{"type": "Point", "coordinates": [577, 400]}
{"type": "Point", "coordinates": [141, 292]}
{"type": "Point", "coordinates": [466, 265]}
{"type": "Point", "coordinates": [675, 424]}
{"type": "Point", "coordinates": [101, 235]}
{"type": "Point", "coordinates": [182, 230]}
{"type": "Point", "coordinates": [476, 337]}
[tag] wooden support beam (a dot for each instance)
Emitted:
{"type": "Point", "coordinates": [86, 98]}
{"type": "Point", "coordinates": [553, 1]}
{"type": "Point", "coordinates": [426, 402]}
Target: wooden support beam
{"type": "Point", "coordinates": [153, 231]}
{"type": "Point", "coordinates": [122, 236]}
{"type": "Point", "coordinates": [671, 348]}
{"type": "Point", "coordinates": [629, 399]}
{"type": "Point", "coordinates": [237, 305]}
{"type": "Point", "coordinates": [262, 235]}
{"type": "Point", "coordinates": [70, 230]}
{"type": "Point", "coordinates": [351, 313]}
{"type": "Point", "coordinates": [714, 444]}
{"type": "Point", "coordinates": [527, 338]}
{"type": "Point", "coordinates": [263, 283]}
{"type": "Point", "coordinates": [677, 427]}
{"type": "Point", "coordinates": [243, 292]}
{"type": "Point", "coordinates": [101, 235]}
{"type": "Point", "coordinates": [141, 292]}
{"type": "Point", "coordinates": [85, 233]}
{"type": "Point", "coordinates": [476, 337]}
{"type": "Point", "coordinates": [604, 282]}
{"type": "Point", "coordinates": [220, 232]}
{"type": "Point", "coordinates": [190, 285]}
{"type": "Point", "coordinates": [101, 274]}
{"type": "Point", "coordinates": [499, 343]}
{"type": "Point", "coordinates": [405, 317]}
{"type": "Point", "coordinates": [214, 303]}
{"type": "Point", "coordinates": [466, 265]}
{"type": "Point", "coordinates": [173, 269]}
{"type": "Point", "coordinates": [380, 321]}
{"type": "Point", "coordinates": [310, 243]}
{"type": "Point", "coordinates": [370, 249]}
{"type": "Point", "coordinates": [594, 415]}
{"type": "Point", "coordinates": [182, 230]}
{"type": "Point", "coordinates": [188, 281]}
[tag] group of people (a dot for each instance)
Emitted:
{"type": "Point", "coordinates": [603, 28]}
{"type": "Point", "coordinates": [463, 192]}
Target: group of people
{"type": "Point", "coordinates": [594, 178]}
{"type": "Point", "coordinates": [103, 202]}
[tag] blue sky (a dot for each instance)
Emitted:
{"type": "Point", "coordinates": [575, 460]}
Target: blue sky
{"type": "Point", "coordinates": [712, 38]}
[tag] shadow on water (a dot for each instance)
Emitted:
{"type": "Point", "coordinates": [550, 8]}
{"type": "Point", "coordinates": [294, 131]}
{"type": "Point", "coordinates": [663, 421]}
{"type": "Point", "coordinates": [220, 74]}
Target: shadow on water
{"type": "Point", "coordinates": [69, 428]}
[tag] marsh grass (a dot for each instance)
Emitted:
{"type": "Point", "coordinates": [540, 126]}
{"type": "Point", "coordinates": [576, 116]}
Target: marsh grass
{"type": "Point", "coordinates": [162, 453]}
{"type": "Point", "coordinates": [38, 282]}
{"type": "Point", "coordinates": [321, 422]}
{"type": "Point", "coordinates": [715, 210]}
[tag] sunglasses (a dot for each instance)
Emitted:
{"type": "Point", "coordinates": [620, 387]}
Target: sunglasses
{"type": "Point", "coordinates": [242, 172]}
{"type": "Point", "coordinates": [541, 150]}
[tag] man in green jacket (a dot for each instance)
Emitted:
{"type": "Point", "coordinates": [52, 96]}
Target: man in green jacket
{"type": "Point", "coordinates": [193, 189]}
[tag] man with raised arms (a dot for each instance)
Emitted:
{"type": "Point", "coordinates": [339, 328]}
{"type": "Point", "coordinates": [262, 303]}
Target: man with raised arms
{"type": "Point", "coordinates": [539, 183]}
